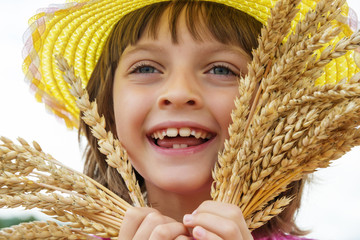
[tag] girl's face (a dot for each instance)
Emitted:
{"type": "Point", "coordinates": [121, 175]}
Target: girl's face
{"type": "Point", "coordinates": [172, 104]}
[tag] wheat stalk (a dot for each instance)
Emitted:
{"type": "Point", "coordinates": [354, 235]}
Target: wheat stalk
{"type": "Point", "coordinates": [116, 155]}
{"type": "Point", "coordinates": [289, 117]}
{"type": "Point", "coordinates": [277, 28]}
{"type": "Point", "coordinates": [298, 131]}
{"type": "Point", "coordinates": [286, 66]}
{"type": "Point", "coordinates": [86, 204]}
{"type": "Point", "coordinates": [69, 196]}
{"type": "Point", "coordinates": [289, 129]}
{"type": "Point", "coordinates": [61, 175]}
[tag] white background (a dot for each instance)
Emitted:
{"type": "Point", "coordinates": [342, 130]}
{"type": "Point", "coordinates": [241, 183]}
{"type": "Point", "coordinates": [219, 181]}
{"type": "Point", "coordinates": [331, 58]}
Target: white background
{"type": "Point", "coordinates": [331, 205]}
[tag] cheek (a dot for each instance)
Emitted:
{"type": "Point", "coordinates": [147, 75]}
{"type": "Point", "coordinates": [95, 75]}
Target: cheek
{"type": "Point", "coordinates": [126, 115]}
{"type": "Point", "coordinates": [120, 120]}
{"type": "Point", "coordinates": [222, 106]}
{"type": "Point", "coordinates": [131, 107]}
{"type": "Point", "coordinates": [130, 114]}
{"type": "Point", "coordinates": [123, 111]}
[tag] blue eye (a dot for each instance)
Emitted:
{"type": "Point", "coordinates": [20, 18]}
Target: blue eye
{"type": "Point", "coordinates": [144, 69]}
{"type": "Point", "coordinates": [221, 70]}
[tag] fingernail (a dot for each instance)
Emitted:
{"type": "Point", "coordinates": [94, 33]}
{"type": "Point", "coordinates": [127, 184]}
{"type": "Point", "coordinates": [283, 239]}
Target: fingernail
{"type": "Point", "coordinates": [188, 218]}
{"type": "Point", "coordinates": [199, 232]}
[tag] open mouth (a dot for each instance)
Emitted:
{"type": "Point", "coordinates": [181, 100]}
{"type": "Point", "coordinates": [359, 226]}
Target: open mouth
{"type": "Point", "coordinates": [177, 138]}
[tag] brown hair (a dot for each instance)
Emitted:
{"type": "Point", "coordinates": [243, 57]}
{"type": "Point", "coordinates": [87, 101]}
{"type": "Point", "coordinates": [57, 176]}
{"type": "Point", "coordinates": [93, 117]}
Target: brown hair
{"type": "Point", "coordinates": [227, 25]}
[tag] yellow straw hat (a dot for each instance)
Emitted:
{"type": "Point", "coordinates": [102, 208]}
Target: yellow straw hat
{"type": "Point", "coordinates": [78, 31]}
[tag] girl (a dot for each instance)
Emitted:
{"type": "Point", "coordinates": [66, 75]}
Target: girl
{"type": "Point", "coordinates": [165, 77]}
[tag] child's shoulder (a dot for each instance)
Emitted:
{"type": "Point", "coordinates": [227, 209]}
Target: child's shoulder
{"type": "Point", "coordinates": [283, 237]}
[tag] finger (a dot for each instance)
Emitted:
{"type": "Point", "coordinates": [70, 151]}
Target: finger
{"type": "Point", "coordinates": [170, 231]}
{"type": "Point", "coordinates": [182, 237]}
{"type": "Point", "coordinates": [225, 210]}
{"type": "Point", "coordinates": [132, 221]}
{"type": "Point", "coordinates": [214, 226]}
{"type": "Point", "coordinates": [150, 222]}
{"type": "Point", "coordinates": [200, 233]}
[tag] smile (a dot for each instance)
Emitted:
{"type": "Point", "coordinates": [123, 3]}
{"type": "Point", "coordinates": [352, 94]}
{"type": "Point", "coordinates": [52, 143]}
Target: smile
{"type": "Point", "coordinates": [178, 138]}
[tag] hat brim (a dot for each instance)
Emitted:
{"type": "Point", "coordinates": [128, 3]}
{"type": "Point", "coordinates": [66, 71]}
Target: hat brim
{"type": "Point", "coordinates": [78, 31]}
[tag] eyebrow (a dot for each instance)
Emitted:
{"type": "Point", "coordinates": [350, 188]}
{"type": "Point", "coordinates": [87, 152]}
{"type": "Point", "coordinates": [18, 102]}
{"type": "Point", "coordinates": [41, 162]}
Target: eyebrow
{"type": "Point", "coordinates": [148, 47]}
{"type": "Point", "coordinates": [142, 47]}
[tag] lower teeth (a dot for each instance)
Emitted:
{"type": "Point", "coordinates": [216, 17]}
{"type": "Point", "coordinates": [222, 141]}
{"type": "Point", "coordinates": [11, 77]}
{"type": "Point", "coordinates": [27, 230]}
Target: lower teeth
{"type": "Point", "coordinates": [180, 146]}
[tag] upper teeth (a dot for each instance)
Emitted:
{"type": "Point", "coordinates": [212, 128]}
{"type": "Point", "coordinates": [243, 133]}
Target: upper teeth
{"type": "Point", "coordinates": [183, 132]}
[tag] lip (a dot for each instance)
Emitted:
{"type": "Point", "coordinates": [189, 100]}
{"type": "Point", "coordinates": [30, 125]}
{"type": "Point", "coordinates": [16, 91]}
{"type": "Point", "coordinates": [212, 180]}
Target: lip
{"type": "Point", "coordinates": [179, 151]}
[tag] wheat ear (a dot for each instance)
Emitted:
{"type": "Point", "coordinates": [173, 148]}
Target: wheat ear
{"type": "Point", "coordinates": [69, 196]}
{"type": "Point", "coordinates": [286, 66]}
{"type": "Point", "coordinates": [290, 119]}
{"type": "Point", "coordinates": [116, 155]}
{"type": "Point", "coordinates": [277, 28]}
{"type": "Point", "coordinates": [40, 230]}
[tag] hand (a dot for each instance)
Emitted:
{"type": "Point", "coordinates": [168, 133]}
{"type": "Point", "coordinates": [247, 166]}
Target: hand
{"type": "Point", "coordinates": [148, 223]}
{"type": "Point", "coordinates": [215, 220]}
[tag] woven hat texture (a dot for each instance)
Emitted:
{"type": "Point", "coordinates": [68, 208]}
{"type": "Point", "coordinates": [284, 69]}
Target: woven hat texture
{"type": "Point", "coordinates": [78, 30]}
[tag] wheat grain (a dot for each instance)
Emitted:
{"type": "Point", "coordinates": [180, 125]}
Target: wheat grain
{"type": "Point", "coordinates": [325, 12]}
{"type": "Point", "coordinates": [261, 217]}
{"type": "Point", "coordinates": [315, 65]}
{"type": "Point", "coordinates": [40, 230]}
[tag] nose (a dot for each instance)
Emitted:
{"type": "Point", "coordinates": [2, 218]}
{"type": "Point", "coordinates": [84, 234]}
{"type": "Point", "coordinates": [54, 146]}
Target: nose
{"type": "Point", "coordinates": [179, 91]}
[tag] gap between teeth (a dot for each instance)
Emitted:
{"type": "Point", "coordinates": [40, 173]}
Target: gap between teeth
{"type": "Point", "coordinates": [183, 132]}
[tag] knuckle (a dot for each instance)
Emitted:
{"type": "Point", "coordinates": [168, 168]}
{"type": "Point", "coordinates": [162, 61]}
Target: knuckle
{"type": "Point", "coordinates": [153, 217]}
{"type": "Point", "coordinates": [237, 212]}
{"type": "Point", "coordinates": [231, 230]}
{"type": "Point", "coordinates": [205, 204]}
{"type": "Point", "coordinates": [132, 213]}
{"type": "Point", "coordinates": [137, 212]}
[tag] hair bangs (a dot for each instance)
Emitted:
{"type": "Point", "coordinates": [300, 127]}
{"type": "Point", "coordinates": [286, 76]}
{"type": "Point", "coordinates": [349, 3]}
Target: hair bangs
{"type": "Point", "coordinates": [203, 19]}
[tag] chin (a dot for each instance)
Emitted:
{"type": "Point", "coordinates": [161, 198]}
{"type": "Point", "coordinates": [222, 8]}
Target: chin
{"type": "Point", "coordinates": [185, 184]}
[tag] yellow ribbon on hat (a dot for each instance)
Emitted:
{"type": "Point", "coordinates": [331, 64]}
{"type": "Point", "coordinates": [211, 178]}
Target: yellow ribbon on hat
{"type": "Point", "coordinates": [78, 31]}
